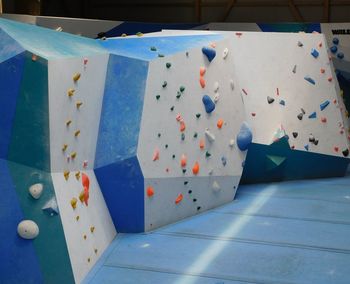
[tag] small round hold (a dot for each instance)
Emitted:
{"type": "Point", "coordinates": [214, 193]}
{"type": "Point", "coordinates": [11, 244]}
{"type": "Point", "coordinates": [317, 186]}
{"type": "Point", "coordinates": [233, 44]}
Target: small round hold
{"type": "Point", "coordinates": [340, 55]}
{"type": "Point", "coordinates": [28, 229]}
{"type": "Point", "coordinates": [334, 49]}
{"type": "Point", "coordinates": [36, 190]}
{"type": "Point", "coordinates": [335, 40]}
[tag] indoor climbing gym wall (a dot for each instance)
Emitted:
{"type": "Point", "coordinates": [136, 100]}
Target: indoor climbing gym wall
{"type": "Point", "coordinates": [172, 137]}
{"type": "Point", "coordinates": [55, 221]}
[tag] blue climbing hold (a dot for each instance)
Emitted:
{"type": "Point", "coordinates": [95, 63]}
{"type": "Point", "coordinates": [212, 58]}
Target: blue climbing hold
{"type": "Point", "coordinates": [336, 40]}
{"type": "Point", "coordinates": [306, 147]}
{"type": "Point", "coordinates": [244, 137]}
{"type": "Point", "coordinates": [324, 105]}
{"type": "Point", "coordinates": [209, 52]}
{"type": "Point", "coordinates": [340, 55]}
{"type": "Point", "coordinates": [313, 115]}
{"type": "Point", "coordinates": [334, 49]}
{"type": "Point", "coordinates": [310, 80]}
{"type": "Point", "coordinates": [208, 104]}
{"type": "Point", "coordinates": [314, 53]}
{"type": "Point", "coordinates": [282, 102]}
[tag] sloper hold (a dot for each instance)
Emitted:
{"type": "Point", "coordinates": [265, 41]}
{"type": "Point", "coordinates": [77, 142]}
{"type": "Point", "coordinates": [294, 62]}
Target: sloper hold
{"type": "Point", "coordinates": [208, 104]}
{"type": "Point", "coordinates": [209, 52]}
{"type": "Point", "coordinates": [324, 105]}
{"type": "Point", "coordinates": [270, 100]}
{"type": "Point", "coordinates": [273, 161]}
{"type": "Point", "coordinates": [244, 137]}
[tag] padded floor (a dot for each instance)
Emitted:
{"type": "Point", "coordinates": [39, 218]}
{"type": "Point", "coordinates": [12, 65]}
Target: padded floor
{"type": "Point", "coordinates": [290, 232]}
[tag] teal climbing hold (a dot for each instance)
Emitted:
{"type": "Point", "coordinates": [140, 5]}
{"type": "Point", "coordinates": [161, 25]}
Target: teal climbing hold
{"type": "Point", "coordinates": [157, 97]}
{"type": "Point", "coordinates": [324, 105]}
{"type": "Point", "coordinates": [208, 104]}
{"type": "Point", "coordinates": [160, 55]}
{"type": "Point", "coordinates": [178, 95]}
{"type": "Point", "coordinates": [282, 102]}
{"type": "Point", "coordinates": [207, 154]}
{"type": "Point", "coordinates": [209, 52]}
{"type": "Point", "coordinates": [182, 136]}
{"type": "Point", "coordinates": [244, 137]}
{"type": "Point", "coordinates": [273, 161]}
{"type": "Point", "coordinates": [195, 135]}
{"type": "Point", "coordinates": [153, 48]}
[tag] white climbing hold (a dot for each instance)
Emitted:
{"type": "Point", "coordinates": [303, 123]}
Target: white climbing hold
{"type": "Point", "coordinates": [232, 84]}
{"type": "Point", "coordinates": [216, 97]}
{"type": "Point", "coordinates": [28, 229]}
{"type": "Point", "coordinates": [225, 53]}
{"type": "Point", "coordinates": [216, 87]}
{"type": "Point", "coordinates": [216, 187]}
{"type": "Point", "coordinates": [36, 190]}
{"type": "Point", "coordinates": [210, 136]}
{"type": "Point", "coordinates": [232, 143]}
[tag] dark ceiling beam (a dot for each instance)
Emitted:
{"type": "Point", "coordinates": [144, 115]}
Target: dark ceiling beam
{"type": "Point", "coordinates": [228, 9]}
{"type": "Point", "coordinates": [326, 11]}
{"type": "Point", "coordinates": [295, 11]}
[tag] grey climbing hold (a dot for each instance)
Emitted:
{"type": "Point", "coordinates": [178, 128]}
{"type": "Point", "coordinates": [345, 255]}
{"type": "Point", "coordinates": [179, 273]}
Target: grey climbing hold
{"type": "Point", "coordinates": [216, 187]}
{"type": "Point", "coordinates": [232, 84]}
{"type": "Point", "coordinates": [209, 105]}
{"type": "Point", "coordinates": [36, 190]}
{"type": "Point", "coordinates": [294, 69]}
{"type": "Point", "coordinates": [51, 207]}
{"type": "Point", "coordinates": [210, 136]}
{"type": "Point", "coordinates": [231, 143]}
{"type": "Point", "coordinates": [216, 87]}
{"type": "Point", "coordinates": [300, 44]}
{"type": "Point", "coordinates": [270, 100]}
{"type": "Point", "coordinates": [244, 137]}
{"type": "Point", "coordinates": [224, 161]}
{"type": "Point", "coordinates": [209, 52]}
{"type": "Point", "coordinates": [28, 229]}
{"type": "Point", "coordinates": [225, 53]}
{"type": "Point", "coordinates": [216, 97]}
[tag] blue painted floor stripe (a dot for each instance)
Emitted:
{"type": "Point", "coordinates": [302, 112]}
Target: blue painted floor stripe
{"type": "Point", "coordinates": [293, 232]}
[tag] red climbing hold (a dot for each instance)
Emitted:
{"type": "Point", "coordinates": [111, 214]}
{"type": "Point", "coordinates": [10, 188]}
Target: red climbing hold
{"type": "Point", "coordinates": [195, 169]}
{"type": "Point", "coordinates": [245, 92]}
{"type": "Point", "coordinates": [278, 92]}
{"type": "Point", "coordinates": [330, 79]}
{"type": "Point", "coordinates": [179, 198]}
{"type": "Point", "coordinates": [183, 160]}
{"type": "Point", "coordinates": [201, 144]}
{"type": "Point", "coordinates": [202, 71]}
{"type": "Point", "coordinates": [334, 101]}
{"type": "Point", "coordinates": [179, 117]}
{"type": "Point", "coordinates": [220, 123]}
{"type": "Point", "coordinates": [156, 155]}
{"type": "Point", "coordinates": [182, 126]}
{"type": "Point", "coordinates": [336, 149]}
{"type": "Point", "coordinates": [253, 114]}
{"type": "Point", "coordinates": [150, 191]}
{"type": "Point", "coordinates": [202, 82]}
{"type": "Point", "coordinates": [323, 119]}
{"type": "Point", "coordinates": [238, 34]}
{"type": "Point", "coordinates": [86, 184]}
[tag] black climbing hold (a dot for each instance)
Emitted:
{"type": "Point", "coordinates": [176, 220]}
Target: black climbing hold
{"type": "Point", "coordinates": [194, 200]}
{"type": "Point", "coordinates": [195, 135]}
{"type": "Point", "coordinates": [184, 171]}
{"type": "Point", "coordinates": [166, 146]}
{"type": "Point", "coordinates": [346, 152]}
{"type": "Point", "coordinates": [300, 116]}
{"type": "Point", "coordinates": [172, 108]}
{"type": "Point", "coordinates": [295, 134]}
{"type": "Point", "coordinates": [178, 95]}
{"type": "Point", "coordinates": [198, 208]}
{"type": "Point", "coordinates": [198, 115]}
{"type": "Point", "coordinates": [159, 135]}
{"type": "Point", "coordinates": [185, 182]}
{"type": "Point", "coordinates": [190, 191]}
{"type": "Point", "coordinates": [182, 89]}
{"type": "Point", "coordinates": [302, 110]}
{"type": "Point", "coordinates": [157, 97]}
{"type": "Point", "coordinates": [153, 48]}
{"type": "Point", "coordinates": [187, 53]}
{"type": "Point", "coordinates": [168, 65]}
{"type": "Point", "coordinates": [173, 156]}
{"type": "Point", "coordinates": [311, 138]}
{"type": "Point", "coordinates": [182, 136]}
{"type": "Point", "coordinates": [270, 100]}
{"type": "Point", "coordinates": [316, 142]}
{"type": "Point", "coordinates": [165, 83]}
{"type": "Point", "coordinates": [207, 154]}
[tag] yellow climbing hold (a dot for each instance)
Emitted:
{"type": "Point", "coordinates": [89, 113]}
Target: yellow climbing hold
{"type": "Point", "coordinates": [95, 250]}
{"type": "Point", "coordinates": [77, 175]}
{"type": "Point", "coordinates": [73, 155]}
{"type": "Point", "coordinates": [84, 237]}
{"type": "Point", "coordinates": [73, 203]}
{"type": "Point", "coordinates": [92, 229]}
{"type": "Point", "coordinates": [76, 77]}
{"type": "Point", "coordinates": [68, 122]}
{"type": "Point", "coordinates": [81, 196]}
{"type": "Point", "coordinates": [77, 218]}
{"type": "Point", "coordinates": [66, 175]}
{"type": "Point", "coordinates": [70, 92]}
{"type": "Point", "coordinates": [79, 104]}
{"type": "Point", "coordinates": [77, 133]}
{"type": "Point", "coordinates": [64, 147]}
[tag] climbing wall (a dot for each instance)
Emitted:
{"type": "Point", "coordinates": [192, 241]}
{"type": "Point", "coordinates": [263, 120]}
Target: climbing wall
{"type": "Point", "coordinates": [190, 113]}
{"type": "Point", "coordinates": [51, 91]}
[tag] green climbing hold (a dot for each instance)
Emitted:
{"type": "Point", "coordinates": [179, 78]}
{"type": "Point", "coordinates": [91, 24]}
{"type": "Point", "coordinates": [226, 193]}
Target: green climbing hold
{"type": "Point", "coordinates": [182, 89]}
{"type": "Point", "coordinates": [168, 65]}
{"type": "Point", "coordinates": [178, 95]}
{"type": "Point", "coordinates": [182, 136]}
{"type": "Point", "coordinates": [273, 162]}
{"type": "Point", "coordinates": [198, 115]}
{"type": "Point", "coordinates": [157, 97]}
{"type": "Point", "coordinates": [195, 135]}
{"type": "Point", "coordinates": [153, 48]}
{"type": "Point", "coordinates": [172, 108]}
{"type": "Point", "coordinates": [207, 154]}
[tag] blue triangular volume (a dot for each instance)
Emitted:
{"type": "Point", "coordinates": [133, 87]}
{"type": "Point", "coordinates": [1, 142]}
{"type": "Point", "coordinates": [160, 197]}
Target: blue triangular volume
{"type": "Point", "coordinates": [324, 105]}
{"type": "Point", "coordinates": [313, 115]}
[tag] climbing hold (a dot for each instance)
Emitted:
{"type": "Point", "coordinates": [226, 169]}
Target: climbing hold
{"type": "Point", "coordinates": [198, 115]}
{"type": "Point", "coordinates": [201, 144]}
{"type": "Point", "coordinates": [36, 190]}
{"type": "Point", "coordinates": [302, 110]}
{"type": "Point", "coordinates": [85, 164]}
{"type": "Point", "coordinates": [70, 92]}
{"type": "Point", "coordinates": [330, 79]}
{"type": "Point", "coordinates": [172, 108]}
{"type": "Point", "coordinates": [336, 149]}
{"type": "Point", "coordinates": [314, 53]}
{"type": "Point", "coordinates": [85, 181]}
{"type": "Point", "coordinates": [95, 250]}
{"type": "Point", "coordinates": [202, 82]}
{"type": "Point", "coordinates": [77, 133]}
{"type": "Point", "coordinates": [73, 155]}
{"type": "Point", "coordinates": [208, 104]}
{"type": "Point", "coordinates": [244, 137]}
{"type": "Point", "coordinates": [340, 55]}
{"type": "Point", "coordinates": [220, 123]}
{"type": "Point", "coordinates": [207, 154]}
{"type": "Point", "coordinates": [79, 104]}
{"type": "Point", "coordinates": [202, 71]}
{"type": "Point", "coordinates": [155, 155]}
{"type": "Point", "coordinates": [34, 57]}
{"type": "Point", "coordinates": [85, 61]}
{"type": "Point", "coordinates": [311, 138]}
{"type": "Point", "coordinates": [76, 77]}
{"type": "Point", "coordinates": [51, 207]}
{"type": "Point", "coordinates": [153, 48]}
{"type": "Point", "coordinates": [216, 187]}
{"type": "Point", "coordinates": [168, 65]}
{"type": "Point", "coordinates": [306, 147]}
{"type": "Point", "coordinates": [282, 102]}
{"type": "Point", "coordinates": [313, 115]}
{"type": "Point", "coordinates": [68, 122]}
{"type": "Point", "coordinates": [179, 117]}
{"type": "Point", "coordinates": [294, 69]}
{"type": "Point", "coordinates": [92, 229]}
{"type": "Point", "coordinates": [73, 202]}
{"type": "Point", "coordinates": [184, 171]}
{"type": "Point", "coordinates": [195, 135]}
{"type": "Point", "coordinates": [231, 143]}
{"type": "Point", "coordinates": [183, 160]}
{"type": "Point", "coordinates": [209, 52]}
{"type": "Point", "coordinates": [322, 71]}
{"type": "Point", "coordinates": [84, 236]}
{"type": "Point", "coordinates": [225, 53]}
{"type": "Point", "coordinates": [182, 89]}
{"type": "Point", "coordinates": [335, 40]}
{"type": "Point", "coordinates": [346, 152]}
{"type": "Point", "coordinates": [165, 83]}
{"type": "Point", "coordinates": [295, 134]}
{"type": "Point", "coordinates": [178, 95]}
{"type": "Point", "coordinates": [224, 161]}
{"type": "Point", "coordinates": [185, 183]}
{"type": "Point", "coordinates": [210, 172]}
{"type": "Point", "coordinates": [310, 80]}
{"type": "Point", "coordinates": [150, 191]}
{"type": "Point", "coordinates": [28, 229]}
{"type": "Point", "coordinates": [216, 97]}
{"type": "Point", "coordinates": [216, 87]}
{"type": "Point", "coordinates": [323, 119]}
{"type": "Point", "coordinates": [334, 49]}
{"type": "Point", "coordinates": [270, 100]}
{"type": "Point", "coordinates": [77, 175]}
{"type": "Point", "coordinates": [195, 169]}
{"type": "Point", "coordinates": [232, 84]}
{"type": "Point", "coordinates": [182, 126]}
{"type": "Point", "coordinates": [316, 142]}
{"type": "Point", "coordinates": [210, 136]}
{"type": "Point", "coordinates": [300, 116]}
{"type": "Point", "coordinates": [66, 175]}
{"type": "Point", "coordinates": [157, 97]}
{"type": "Point", "coordinates": [77, 218]}
{"type": "Point", "coordinates": [245, 92]}
{"type": "Point", "coordinates": [324, 105]}
{"type": "Point", "coordinates": [179, 198]}
{"type": "Point", "coordinates": [182, 136]}
{"type": "Point", "coordinates": [300, 44]}
{"type": "Point", "coordinates": [160, 55]}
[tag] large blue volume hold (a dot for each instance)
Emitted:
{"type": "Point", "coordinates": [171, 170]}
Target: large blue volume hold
{"type": "Point", "coordinates": [244, 137]}
{"type": "Point", "coordinates": [209, 52]}
{"type": "Point", "coordinates": [208, 104]}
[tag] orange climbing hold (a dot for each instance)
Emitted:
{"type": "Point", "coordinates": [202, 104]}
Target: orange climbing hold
{"type": "Point", "coordinates": [156, 155]}
{"type": "Point", "coordinates": [86, 184]}
{"type": "Point", "coordinates": [202, 71]}
{"type": "Point", "coordinates": [183, 160]}
{"type": "Point", "coordinates": [182, 126]}
{"type": "Point", "coordinates": [179, 198]}
{"type": "Point", "coordinates": [195, 169]}
{"type": "Point", "coordinates": [150, 191]}
{"type": "Point", "coordinates": [201, 144]}
{"type": "Point", "coordinates": [323, 70]}
{"type": "Point", "coordinates": [202, 82]}
{"type": "Point", "coordinates": [220, 123]}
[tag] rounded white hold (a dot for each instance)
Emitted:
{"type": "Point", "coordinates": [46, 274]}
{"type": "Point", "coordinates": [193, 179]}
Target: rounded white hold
{"type": "Point", "coordinates": [232, 84]}
{"type": "Point", "coordinates": [232, 143]}
{"type": "Point", "coordinates": [216, 87]}
{"type": "Point", "coordinates": [216, 97]}
{"type": "Point", "coordinates": [36, 190]}
{"type": "Point", "coordinates": [216, 187]}
{"type": "Point", "coordinates": [28, 229]}
{"type": "Point", "coordinates": [210, 136]}
{"type": "Point", "coordinates": [225, 53]}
